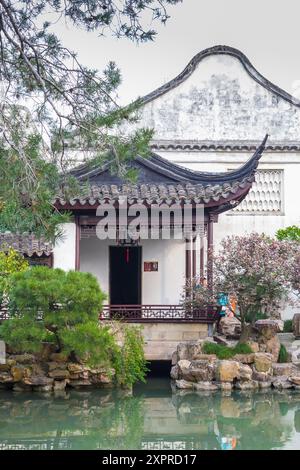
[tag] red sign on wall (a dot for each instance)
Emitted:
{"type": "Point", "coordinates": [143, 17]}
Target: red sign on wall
{"type": "Point", "coordinates": [150, 266]}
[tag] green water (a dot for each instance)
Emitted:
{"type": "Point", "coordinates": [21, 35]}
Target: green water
{"type": "Point", "coordinates": [152, 419]}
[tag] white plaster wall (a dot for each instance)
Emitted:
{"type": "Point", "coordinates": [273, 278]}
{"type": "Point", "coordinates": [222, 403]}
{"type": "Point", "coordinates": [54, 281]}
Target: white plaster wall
{"type": "Point", "coordinates": [221, 101]}
{"type": "Point", "coordinates": [161, 287]}
{"type": "Point", "coordinates": [64, 250]}
{"type": "Point", "coordinates": [165, 285]}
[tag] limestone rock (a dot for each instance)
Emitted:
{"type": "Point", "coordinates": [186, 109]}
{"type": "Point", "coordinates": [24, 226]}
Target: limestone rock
{"type": "Point", "coordinates": [230, 327]}
{"type": "Point", "coordinates": [267, 328]}
{"type": "Point", "coordinates": [205, 385]}
{"type": "Point", "coordinates": [207, 357]}
{"type": "Point", "coordinates": [261, 376]}
{"type": "Point", "coordinates": [282, 369]}
{"type": "Point", "coordinates": [184, 385]}
{"type": "Point", "coordinates": [296, 325]}
{"type": "Point", "coordinates": [245, 372]}
{"type": "Point", "coordinates": [60, 385]}
{"type": "Point", "coordinates": [244, 358]}
{"type": "Point", "coordinates": [174, 374]}
{"type": "Point", "coordinates": [56, 365]}
{"type": "Point", "coordinates": [59, 374]}
{"type": "Point", "coordinates": [202, 370]}
{"type": "Point", "coordinates": [295, 379]}
{"type": "Point", "coordinates": [263, 362]}
{"type": "Point", "coordinates": [263, 385]}
{"type": "Point", "coordinates": [80, 383]}
{"type": "Point", "coordinates": [4, 367]}
{"type": "Point", "coordinates": [24, 358]}
{"type": "Point", "coordinates": [281, 383]}
{"type": "Point", "coordinates": [247, 385]}
{"type": "Point", "coordinates": [74, 368]}
{"type": "Point", "coordinates": [273, 347]}
{"type": "Point", "coordinates": [174, 358]}
{"type": "Point", "coordinates": [38, 381]}
{"type": "Point", "coordinates": [253, 345]}
{"type": "Point", "coordinates": [18, 372]}
{"type": "Point", "coordinates": [182, 351]}
{"type": "Point", "coordinates": [225, 386]}
{"type": "Point", "coordinates": [6, 378]}
{"type": "Point", "coordinates": [227, 371]}
{"type": "Point", "coordinates": [59, 357]}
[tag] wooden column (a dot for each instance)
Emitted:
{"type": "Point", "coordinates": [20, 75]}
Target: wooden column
{"type": "Point", "coordinates": [210, 243]}
{"type": "Point", "coordinates": [194, 259]}
{"type": "Point", "coordinates": [77, 244]}
{"type": "Point", "coordinates": [201, 258]}
{"type": "Point", "coordinates": [187, 259]}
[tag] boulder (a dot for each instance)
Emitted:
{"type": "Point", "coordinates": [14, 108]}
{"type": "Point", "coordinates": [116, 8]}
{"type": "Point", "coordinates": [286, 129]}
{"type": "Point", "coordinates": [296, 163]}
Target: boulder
{"type": "Point", "coordinates": [182, 351]}
{"type": "Point", "coordinates": [74, 368]}
{"type": "Point", "coordinates": [273, 347]}
{"type": "Point", "coordinates": [183, 367]}
{"type": "Point", "coordinates": [174, 358]}
{"type": "Point", "coordinates": [225, 386]}
{"type": "Point", "coordinates": [23, 358]}
{"type": "Point", "coordinates": [194, 349]}
{"type": "Point", "coordinates": [38, 381]}
{"type": "Point", "coordinates": [59, 357]}
{"type": "Point", "coordinates": [227, 371]}
{"type": "Point", "coordinates": [4, 367]}
{"type": "Point", "coordinates": [80, 383]}
{"type": "Point", "coordinates": [253, 345]}
{"type": "Point", "coordinates": [268, 328]}
{"type": "Point", "coordinates": [282, 369]}
{"type": "Point", "coordinates": [261, 376]}
{"type": "Point", "coordinates": [245, 372]}
{"type": "Point", "coordinates": [246, 385]}
{"type": "Point", "coordinates": [230, 327]}
{"type": "Point", "coordinates": [184, 385]}
{"type": "Point", "coordinates": [174, 374]}
{"type": "Point", "coordinates": [244, 358]}
{"type": "Point", "coordinates": [59, 374]}
{"type": "Point", "coordinates": [296, 325]}
{"type": "Point", "coordinates": [57, 365]}
{"type": "Point", "coordinates": [60, 385]}
{"type": "Point", "coordinates": [204, 385]}
{"type": "Point", "coordinates": [295, 379]}
{"type": "Point", "coordinates": [18, 372]}
{"type": "Point", "coordinates": [263, 362]}
{"type": "Point", "coordinates": [201, 370]}
{"type": "Point", "coordinates": [281, 383]}
{"type": "Point", "coordinates": [263, 385]}
{"type": "Point", "coordinates": [6, 378]}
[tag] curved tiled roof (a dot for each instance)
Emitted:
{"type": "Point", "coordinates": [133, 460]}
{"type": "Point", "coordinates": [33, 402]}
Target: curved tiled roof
{"type": "Point", "coordinates": [25, 243]}
{"type": "Point", "coordinates": [162, 181]}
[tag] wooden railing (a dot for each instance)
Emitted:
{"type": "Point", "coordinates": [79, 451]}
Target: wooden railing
{"type": "Point", "coordinates": [159, 313]}
{"type": "Point", "coordinates": [152, 313]}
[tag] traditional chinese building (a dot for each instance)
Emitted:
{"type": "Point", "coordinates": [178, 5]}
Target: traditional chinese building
{"type": "Point", "coordinates": [208, 124]}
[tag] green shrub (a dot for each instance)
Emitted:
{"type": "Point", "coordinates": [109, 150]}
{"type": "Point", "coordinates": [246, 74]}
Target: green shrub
{"type": "Point", "coordinates": [288, 326]}
{"type": "Point", "coordinates": [63, 308]}
{"type": "Point", "coordinates": [225, 352]}
{"type": "Point", "coordinates": [283, 354]}
{"type": "Point", "coordinates": [51, 303]}
{"type": "Point", "coordinates": [129, 360]}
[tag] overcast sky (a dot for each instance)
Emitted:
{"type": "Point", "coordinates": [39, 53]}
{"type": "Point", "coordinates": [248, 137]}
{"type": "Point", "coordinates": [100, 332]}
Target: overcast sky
{"type": "Point", "coordinates": [267, 31]}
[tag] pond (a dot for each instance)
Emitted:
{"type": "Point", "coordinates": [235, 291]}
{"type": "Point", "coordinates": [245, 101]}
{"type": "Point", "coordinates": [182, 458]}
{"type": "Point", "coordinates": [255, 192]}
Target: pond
{"type": "Point", "coordinates": [153, 418]}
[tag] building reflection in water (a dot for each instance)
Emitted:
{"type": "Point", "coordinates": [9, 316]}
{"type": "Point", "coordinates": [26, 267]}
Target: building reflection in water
{"type": "Point", "coordinates": [153, 418]}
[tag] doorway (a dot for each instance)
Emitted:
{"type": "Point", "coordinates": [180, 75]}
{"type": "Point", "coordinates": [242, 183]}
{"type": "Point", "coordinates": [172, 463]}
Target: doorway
{"type": "Point", "coordinates": [125, 279]}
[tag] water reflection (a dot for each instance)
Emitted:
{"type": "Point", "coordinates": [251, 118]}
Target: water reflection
{"type": "Point", "coordinates": [153, 418]}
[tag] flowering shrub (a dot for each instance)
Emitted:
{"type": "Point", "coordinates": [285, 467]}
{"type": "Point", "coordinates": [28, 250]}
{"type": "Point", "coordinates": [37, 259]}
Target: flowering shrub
{"type": "Point", "coordinates": [255, 269]}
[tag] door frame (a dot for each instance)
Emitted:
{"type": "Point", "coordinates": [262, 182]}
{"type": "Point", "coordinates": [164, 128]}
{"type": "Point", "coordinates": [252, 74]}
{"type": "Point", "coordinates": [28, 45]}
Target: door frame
{"type": "Point", "coordinates": [140, 284]}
